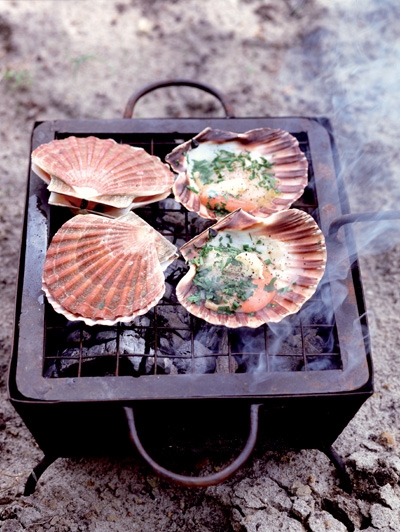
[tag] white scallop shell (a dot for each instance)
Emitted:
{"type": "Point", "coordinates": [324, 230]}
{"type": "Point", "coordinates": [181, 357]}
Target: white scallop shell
{"type": "Point", "coordinates": [239, 187]}
{"type": "Point", "coordinates": [102, 271]}
{"type": "Point", "coordinates": [102, 171]}
{"type": "Point", "coordinates": [295, 247]}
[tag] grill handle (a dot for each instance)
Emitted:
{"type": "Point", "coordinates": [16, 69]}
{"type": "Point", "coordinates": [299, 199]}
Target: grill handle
{"type": "Point", "coordinates": [197, 482]}
{"type": "Point", "coordinates": [128, 113]}
{"type": "Point", "coordinates": [345, 219]}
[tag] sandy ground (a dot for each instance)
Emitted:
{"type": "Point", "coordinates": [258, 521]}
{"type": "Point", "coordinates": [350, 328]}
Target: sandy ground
{"type": "Point", "coordinates": [336, 58]}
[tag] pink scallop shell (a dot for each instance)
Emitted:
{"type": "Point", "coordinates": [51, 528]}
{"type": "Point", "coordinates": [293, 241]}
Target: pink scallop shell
{"type": "Point", "coordinates": [296, 233]}
{"type": "Point", "coordinates": [277, 146]}
{"type": "Point", "coordinates": [102, 171]}
{"type": "Point", "coordinates": [102, 270]}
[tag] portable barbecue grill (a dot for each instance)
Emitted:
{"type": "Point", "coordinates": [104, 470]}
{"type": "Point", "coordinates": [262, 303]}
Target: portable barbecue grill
{"type": "Point", "coordinates": [92, 390]}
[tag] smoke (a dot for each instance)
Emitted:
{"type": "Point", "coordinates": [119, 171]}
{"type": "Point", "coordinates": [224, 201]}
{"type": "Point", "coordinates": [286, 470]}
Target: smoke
{"type": "Point", "coordinates": [348, 72]}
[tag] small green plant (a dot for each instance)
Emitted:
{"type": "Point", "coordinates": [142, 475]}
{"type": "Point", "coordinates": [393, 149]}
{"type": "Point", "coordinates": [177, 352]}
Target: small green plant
{"type": "Point", "coordinates": [18, 79]}
{"type": "Point", "coordinates": [77, 62]}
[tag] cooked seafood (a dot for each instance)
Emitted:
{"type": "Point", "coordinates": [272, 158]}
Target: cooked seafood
{"type": "Point", "coordinates": [101, 270]}
{"type": "Point", "coordinates": [101, 175]}
{"type": "Point", "coordinates": [261, 172]}
{"type": "Point", "coordinates": [246, 271]}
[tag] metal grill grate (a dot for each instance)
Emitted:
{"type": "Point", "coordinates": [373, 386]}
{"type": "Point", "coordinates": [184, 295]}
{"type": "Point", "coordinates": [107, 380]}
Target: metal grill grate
{"type": "Point", "coordinates": [168, 353]}
{"type": "Point", "coordinates": [170, 341]}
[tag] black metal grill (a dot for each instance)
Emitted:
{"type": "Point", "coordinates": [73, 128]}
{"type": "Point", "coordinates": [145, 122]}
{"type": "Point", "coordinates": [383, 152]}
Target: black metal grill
{"type": "Point", "coordinates": [318, 338]}
{"type": "Point", "coordinates": [310, 373]}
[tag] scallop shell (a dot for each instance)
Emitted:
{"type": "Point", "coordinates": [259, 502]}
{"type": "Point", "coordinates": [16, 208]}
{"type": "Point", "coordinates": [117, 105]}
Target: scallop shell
{"type": "Point", "coordinates": [166, 251]}
{"type": "Point", "coordinates": [289, 243]}
{"type": "Point", "coordinates": [102, 270]}
{"type": "Point", "coordinates": [270, 189]}
{"type": "Point", "coordinates": [101, 171]}
{"type": "Point", "coordinates": [79, 206]}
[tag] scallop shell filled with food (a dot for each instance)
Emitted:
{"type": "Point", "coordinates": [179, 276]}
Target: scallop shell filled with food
{"type": "Point", "coordinates": [102, 270]}
{"type": "Point", "coordinates": [247, 271]}
{"type": "Point", "coordinates": [100, 175]}
{"type": "Point", "coordinates": [262, 171]}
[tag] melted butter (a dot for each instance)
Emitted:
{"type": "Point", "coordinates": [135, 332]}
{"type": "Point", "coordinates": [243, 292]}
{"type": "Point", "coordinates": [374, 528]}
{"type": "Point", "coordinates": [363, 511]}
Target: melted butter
{"type": "Point", "coordinates": [241, 187]}
{"type": "Point", "coordinates": [252, 266]}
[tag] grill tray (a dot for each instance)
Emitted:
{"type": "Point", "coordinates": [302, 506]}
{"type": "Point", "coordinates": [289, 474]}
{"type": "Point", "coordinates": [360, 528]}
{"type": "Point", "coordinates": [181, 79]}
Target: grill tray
{"type": "Point", "coordinates": [78, 376]}
{"type": "Point", "coordinates": [321, 350]}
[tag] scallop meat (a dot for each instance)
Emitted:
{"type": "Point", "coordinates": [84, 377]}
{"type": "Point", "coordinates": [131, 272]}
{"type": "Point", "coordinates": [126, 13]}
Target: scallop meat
{"type": "Point", "coordinates": [262, 171]}
{"type": "Point", "coordinates": [247, 271]}
{"type": "Point", "coordinates": [102, 270]}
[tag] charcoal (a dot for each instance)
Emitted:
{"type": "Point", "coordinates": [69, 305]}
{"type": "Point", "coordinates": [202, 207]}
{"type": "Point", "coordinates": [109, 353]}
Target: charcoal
{"type": "Point", "coordinates": [105, 344]}
{"type": "Point", "coordinates": [169, 204]}
{"type": "Point", "coordinates": [131, 343]}
{"type": "Point", "coordinates": [78, 335]}
{"type": "Point", "coordinates": [201, 362]}
{"type": "Point", "coordinates": [172, 221]}
{"type": "Point", "coordinates": [135, 363]}
{"type": "Point", "coordinates": [67, 365]}
{"type": "Point", "coordinates": [172, 316]}
{"type": "Point", "coordinates": [163, 366]}
{"type": "Point", "coordinates": [314, 343]}
{"type": "Point", "coordinates": [226, 365]}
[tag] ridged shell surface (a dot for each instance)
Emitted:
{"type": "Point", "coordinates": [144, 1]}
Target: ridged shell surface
{"type": "Point", "coordinates": [101, 270]}
{"type": "Point", "coordinates": [101, 170]}
{"type": "Point", "coordinates": [261, 171]}
{"type": "Point", "coordinates": [247, 271]}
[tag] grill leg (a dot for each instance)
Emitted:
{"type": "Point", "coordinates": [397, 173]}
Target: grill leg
{"type": "Point", "coordinates": [344, 479]}
{"type": "Point", "coordinates": [37, 472]}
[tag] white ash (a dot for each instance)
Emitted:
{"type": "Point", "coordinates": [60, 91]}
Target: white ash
{"type": "Point", "coordinates": [131, 343]}
{"type": "Point", "coordinates": [203, 361]}
{"type": "Point", "coordinates": [323, 521]}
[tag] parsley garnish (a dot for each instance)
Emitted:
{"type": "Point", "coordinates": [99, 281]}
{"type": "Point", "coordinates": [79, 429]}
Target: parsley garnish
{"type": "Point", "coordinates": [222, 285]}
{"type": "Point", "coordinates": [270, 287]}
{"type": "Point", "coordinates": [285, 290]}
{"type": "Point", "coordinates": [204, 169]}
{"type": "Point", "coordinates": [229, 161]}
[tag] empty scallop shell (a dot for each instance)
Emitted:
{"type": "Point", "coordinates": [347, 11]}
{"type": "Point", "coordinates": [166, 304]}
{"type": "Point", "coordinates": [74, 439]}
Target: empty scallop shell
{"type": "Point", "coordinates": [261, 171]}
{"type": "Point", "coordinates": [101, 171]}
{"type": "Point", "coordinates": [280, 259]}
{"type": "Point", "coordinates": [102, 270]}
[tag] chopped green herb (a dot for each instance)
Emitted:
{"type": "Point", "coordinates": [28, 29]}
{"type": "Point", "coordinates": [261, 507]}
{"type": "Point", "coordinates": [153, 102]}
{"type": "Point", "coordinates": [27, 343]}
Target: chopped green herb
{"type": "Point", "coordinates": [247, 247]}
{"type": "Point", "coordinates": [204, 169]}
{"type": "Point", "coordinates": [225, 309]}
{"type": "Point", "coordinates": [258, 170]}
{"type": "Point", "coordinates": [285, 290]}
{"type": "Point", "coordinates": [235, 305]}
{"type": "Point", "coordinates": [219, 208]}
{"type": "Point", "coordinates": [270, 287]}
{"type": "Point", "coordinates": [195, 298]}
{"type": "Point", "coordinates": [219, 278]}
